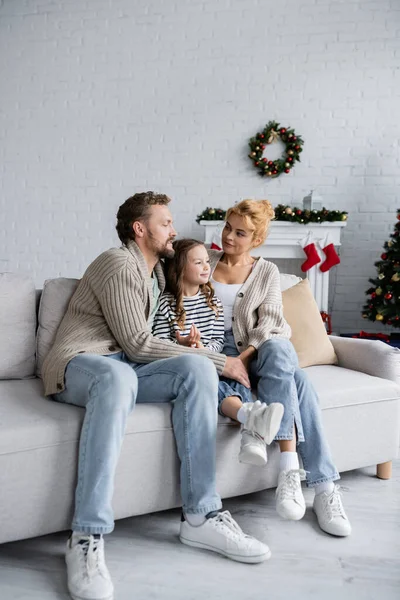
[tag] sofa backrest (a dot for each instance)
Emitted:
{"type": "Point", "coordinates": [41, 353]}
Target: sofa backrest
{"type": "Point", "coordinates": [29, 320]}
{"type": "Point", "coordinates": [17, 326]}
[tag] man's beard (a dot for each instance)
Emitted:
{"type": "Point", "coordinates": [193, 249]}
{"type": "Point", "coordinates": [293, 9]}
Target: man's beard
{"type": "Point", "coordinates": [161, 250]}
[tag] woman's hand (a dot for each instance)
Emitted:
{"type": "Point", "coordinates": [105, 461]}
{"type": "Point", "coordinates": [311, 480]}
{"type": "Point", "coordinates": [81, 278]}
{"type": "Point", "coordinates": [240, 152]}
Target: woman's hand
{"type": "Point", "coordinates": [193, 340]}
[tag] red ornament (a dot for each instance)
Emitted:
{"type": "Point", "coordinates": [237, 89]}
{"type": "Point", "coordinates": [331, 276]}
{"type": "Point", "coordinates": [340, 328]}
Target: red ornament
{"type": "Point", "coordinates": [371, 306]}
{"type": "Point", "coordinates": [389, 321]}
{"type": "Point", "coordinates": [398, 216]}
{"type": "Point", "coordinates": [287, 170]}
{"type": "Point", "coordinates": [290, 159]}
{"type": "Point", "coordinates": [298, 212]}
{"type": "Point", "coordinates": [262, 146]}
{"type": "Point", "coordinates": [384, 256]}
{"type": "Point", "coordinates": [264, 159]}
{"type": "Point", "coordinates": [396, 318]}
{"type": "Point", "coordinates": [257, 163]}
{"type": "Point", "coordinates": [283, 130]}
{"type": "Point", "coordinates": [373, 295]}
{"type": "Point", "coordinates": [294, 137]}
{"type": "Point", "coordinates": [274, 172]}
{"type": "Point", "coordinates": [262, 136]}
{"type": "Point", "coordinates": [270, 163]}
{"type": "Point", "coordinates": [396, 234]}
{"type": "Point", "coordinates": [297, 147]}
{"type": "Point", "coordinates": [388, 296]}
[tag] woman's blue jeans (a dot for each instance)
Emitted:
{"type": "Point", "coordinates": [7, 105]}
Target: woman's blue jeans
{"type": "Point", "coordinates": [108, 388]}
{"type": "Point", "coordinates": [276, 376]}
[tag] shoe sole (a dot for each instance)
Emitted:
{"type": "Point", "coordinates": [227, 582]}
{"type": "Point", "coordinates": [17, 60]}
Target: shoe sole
{"type": "Point", "coordinates": [74, 597]}
{"type": "Point", "coordinates": [275, 414]}
{"type": "Point", "coordinates": [238, 558]}
{"type": "Point", "coordinates": [289, 518]}
{"type": "Point", "coordinates": [253, 456]}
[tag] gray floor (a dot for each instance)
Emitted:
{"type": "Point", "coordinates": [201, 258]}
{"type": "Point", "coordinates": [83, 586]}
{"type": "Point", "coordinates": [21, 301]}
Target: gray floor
{"type": "Point", "coordinates": [148, 562]}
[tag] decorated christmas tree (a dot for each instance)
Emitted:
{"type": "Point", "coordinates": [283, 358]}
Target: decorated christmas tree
{"type": "Point", "coordinates": [383, 303]}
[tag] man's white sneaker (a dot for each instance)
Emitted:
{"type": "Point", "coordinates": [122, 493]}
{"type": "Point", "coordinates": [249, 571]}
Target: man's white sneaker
{"type": "Point", "coordinates": [290, 503]}
{"type": "Point", "coordinates": [330, 513]}
{"type": "Point", "coordinates": [223, 535]}
{"type": "Point", "coordinates": [88, 576]}
{"type": "Point", "coordinates": [262, 425]}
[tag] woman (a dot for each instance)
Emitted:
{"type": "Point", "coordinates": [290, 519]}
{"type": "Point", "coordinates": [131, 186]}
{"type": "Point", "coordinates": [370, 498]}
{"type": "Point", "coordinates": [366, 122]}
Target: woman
{"type": "Point", "coordinates": [256, 331]}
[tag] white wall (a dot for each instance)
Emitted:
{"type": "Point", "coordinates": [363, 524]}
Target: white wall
{"type": "Point", "coordinates": [100, 99]}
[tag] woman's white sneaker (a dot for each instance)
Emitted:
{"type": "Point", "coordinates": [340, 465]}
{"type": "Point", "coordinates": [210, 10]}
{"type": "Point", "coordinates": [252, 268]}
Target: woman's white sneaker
{"type": "Point", "coordinates": [290, 503]}
{"type": "Point", "coordinates": [330, 513]}
{"type": "Point", "coordinates": [88, 576]}
{"type": "Point", "coordinates": [222, 534]}
{"type": "Point", "coordinates": [262, 425]}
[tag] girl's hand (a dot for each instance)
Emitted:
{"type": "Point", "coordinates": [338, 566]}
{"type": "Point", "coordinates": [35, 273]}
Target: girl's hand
{"type": "Point", "coordinates": [193, 340]}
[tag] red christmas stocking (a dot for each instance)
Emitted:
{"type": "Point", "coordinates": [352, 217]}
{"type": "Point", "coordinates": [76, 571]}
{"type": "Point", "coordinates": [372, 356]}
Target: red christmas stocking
{"type": "Point", "coordinates": [332, 257]}
{"type": "Point", "coordinates": [311, 253]}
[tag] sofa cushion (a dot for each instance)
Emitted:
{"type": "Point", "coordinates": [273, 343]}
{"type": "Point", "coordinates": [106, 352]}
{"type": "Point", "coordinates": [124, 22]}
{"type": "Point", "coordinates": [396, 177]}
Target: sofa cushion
{"type": "Point", "coordinates": [309, 336]}
{"type": "Point", "coordinates": [54, 302]}
{"type": "Point", "coordinates": [17, 326]}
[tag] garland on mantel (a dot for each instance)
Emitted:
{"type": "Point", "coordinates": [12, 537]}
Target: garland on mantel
{"type": "Point", "coordinates": [283, 213]}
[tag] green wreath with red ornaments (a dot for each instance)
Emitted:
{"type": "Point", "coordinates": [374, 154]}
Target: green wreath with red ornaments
{"type": "Point", "coordinates": [283, 213]}
{"type": "Point", "coordinates": [272, 132]}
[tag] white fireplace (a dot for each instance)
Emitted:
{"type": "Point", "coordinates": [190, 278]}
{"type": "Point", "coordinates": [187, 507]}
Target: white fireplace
{"type": "Point", "coordinates": [283, 242]}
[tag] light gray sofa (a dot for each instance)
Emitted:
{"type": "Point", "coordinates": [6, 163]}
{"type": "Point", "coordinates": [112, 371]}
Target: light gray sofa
{"type": "Point", "coordinates": [360, 399]}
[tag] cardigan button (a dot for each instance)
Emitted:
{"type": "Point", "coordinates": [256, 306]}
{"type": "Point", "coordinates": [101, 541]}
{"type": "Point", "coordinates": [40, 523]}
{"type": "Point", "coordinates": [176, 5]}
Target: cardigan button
{"type": "Point", "coordinates": [240, 343]}
{"type": "Point", "coordinates": [59, 386]}
{"type": "Point", "coordinates": [112, 348]}
{"type": "Point", "coordinates": [240, 295]}
{"type": "Point", "coordinates": [233, 318]}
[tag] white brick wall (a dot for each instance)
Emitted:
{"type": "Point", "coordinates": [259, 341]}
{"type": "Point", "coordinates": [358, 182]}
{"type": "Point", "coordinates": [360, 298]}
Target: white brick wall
{"type": "Point", "coordinates": [103, 98]}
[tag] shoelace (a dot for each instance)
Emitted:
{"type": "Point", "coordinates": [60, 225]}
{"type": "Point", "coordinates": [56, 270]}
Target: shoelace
{"type": "Point", "coordinates": [90, 554]}
{"type": "Point", "coordinates": [333, 504]}
{"type": "Point", "coordinates": [223, 521]}
{"type": "Point", "coordinates": [291, 483]}
{"type": "Point", "coordinates": [255, 435]}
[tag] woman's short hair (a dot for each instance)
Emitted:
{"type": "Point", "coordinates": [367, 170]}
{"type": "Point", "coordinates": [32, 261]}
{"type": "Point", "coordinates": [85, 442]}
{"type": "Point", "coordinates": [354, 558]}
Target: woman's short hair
{"type": "Point", "coordinates": [257, 214]}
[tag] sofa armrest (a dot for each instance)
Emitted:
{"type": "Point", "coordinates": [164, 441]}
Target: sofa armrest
{"type": "Point", "coordinates": [372, 357]}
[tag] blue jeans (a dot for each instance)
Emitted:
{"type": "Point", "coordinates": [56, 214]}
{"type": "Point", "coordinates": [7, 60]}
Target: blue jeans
{"type": "Point", "coordinates": [108, 388]}
{"type": "Point", "coordinates": [277, 378]}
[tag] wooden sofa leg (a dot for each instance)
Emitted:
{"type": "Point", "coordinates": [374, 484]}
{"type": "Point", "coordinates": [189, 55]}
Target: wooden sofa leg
{"type": "Point", "coordinates": [384, 470]}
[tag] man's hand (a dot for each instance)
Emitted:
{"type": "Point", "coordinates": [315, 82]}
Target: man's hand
{"type": "Point", "coordinates": [235, 369]}
{"type": "Point", "coordinates": [193, 340]}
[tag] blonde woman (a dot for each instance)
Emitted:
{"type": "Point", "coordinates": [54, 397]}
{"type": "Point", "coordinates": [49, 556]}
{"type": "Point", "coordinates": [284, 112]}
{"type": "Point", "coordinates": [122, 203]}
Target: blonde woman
{"type": "Point", "coordinates": [256, 331]}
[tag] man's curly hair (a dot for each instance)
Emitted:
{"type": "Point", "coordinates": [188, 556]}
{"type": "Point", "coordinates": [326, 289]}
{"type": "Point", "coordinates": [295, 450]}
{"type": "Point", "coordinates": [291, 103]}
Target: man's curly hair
{"type": "Point", "coordinates": [136, 208]}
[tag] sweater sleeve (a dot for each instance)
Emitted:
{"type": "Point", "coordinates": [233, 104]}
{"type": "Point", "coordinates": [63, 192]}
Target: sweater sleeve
{"type": "Point", "coordinates": [121, 301]}
{"type": "Point", "coordinates": [271, 321]}
{"type": "Point", "coordinates": [217, 342]}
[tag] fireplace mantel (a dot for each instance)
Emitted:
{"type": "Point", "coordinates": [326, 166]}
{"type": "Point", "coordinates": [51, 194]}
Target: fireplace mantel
{"type": "Point", "coordinates": [283, 242]}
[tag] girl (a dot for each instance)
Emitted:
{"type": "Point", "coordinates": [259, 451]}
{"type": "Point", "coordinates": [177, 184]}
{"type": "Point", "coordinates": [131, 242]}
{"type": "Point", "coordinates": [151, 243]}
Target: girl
{"type": "Point", "coordinates": [249, 289]}
{"type": "Point", "coordinates": [190, 314]}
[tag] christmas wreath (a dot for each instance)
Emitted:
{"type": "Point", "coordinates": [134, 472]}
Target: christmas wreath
{"type": "Point", "coordinates": [283, 213]}
{"type": "Point", "coordinates": [272, 132]}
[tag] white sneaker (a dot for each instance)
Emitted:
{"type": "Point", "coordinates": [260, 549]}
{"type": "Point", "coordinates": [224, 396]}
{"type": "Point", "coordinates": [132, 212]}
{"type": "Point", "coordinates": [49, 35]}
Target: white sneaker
{"type": "Point", "coordinates": [223, 535]}
{"type": "Point", "coordinates": [262, 425]}
{"type": "Point", "coordinates": [330, 513]}
{"type": "Point", "coordinates": [290, 503]}
{"type": "Point", "coordinates": [88, 576]}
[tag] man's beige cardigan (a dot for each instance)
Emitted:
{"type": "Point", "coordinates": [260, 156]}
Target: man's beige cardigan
{"type": "Point", "coordinates": [110, 307]}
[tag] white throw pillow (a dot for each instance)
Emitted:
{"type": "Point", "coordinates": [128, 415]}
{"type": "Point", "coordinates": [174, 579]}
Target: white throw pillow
{"type": "Point", "coordinates": [17, 326]}
{"type": "Point", "coordinates": [288, 281]}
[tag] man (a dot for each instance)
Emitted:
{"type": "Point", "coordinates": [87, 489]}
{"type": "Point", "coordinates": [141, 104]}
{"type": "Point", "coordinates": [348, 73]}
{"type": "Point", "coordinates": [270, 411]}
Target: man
{"type": "Point", "coordinates": [105, 359]}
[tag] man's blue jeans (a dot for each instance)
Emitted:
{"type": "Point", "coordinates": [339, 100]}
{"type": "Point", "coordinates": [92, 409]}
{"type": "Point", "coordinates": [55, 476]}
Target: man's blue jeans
{"type": "Point", "coordinates": [277, 377]}
{"type": "Point", "coordinates": [108, 388]}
